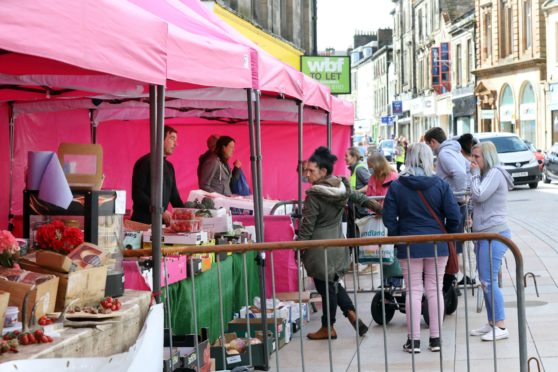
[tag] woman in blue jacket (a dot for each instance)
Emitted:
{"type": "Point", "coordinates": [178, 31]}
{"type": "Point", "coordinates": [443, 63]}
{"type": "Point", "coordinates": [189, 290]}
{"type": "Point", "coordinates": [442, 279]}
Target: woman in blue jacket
{"type": "Point", "coordinates": [405, 213]}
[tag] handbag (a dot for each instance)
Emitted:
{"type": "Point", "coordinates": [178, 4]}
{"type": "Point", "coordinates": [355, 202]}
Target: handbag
{"type": "Point", "coordinates": [239, 185]}
{"type": "Point", "coordinates": [452, 266]}
{"type": "Point", "coordinates": [368, 227]}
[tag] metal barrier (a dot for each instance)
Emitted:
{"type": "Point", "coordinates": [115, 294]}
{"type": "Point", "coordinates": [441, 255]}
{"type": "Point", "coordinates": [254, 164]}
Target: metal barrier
{"type": "Point", "coordinates": [401, 240]}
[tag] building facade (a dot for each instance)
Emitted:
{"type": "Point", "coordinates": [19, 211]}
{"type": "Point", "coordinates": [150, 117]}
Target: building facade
{"type": "Point", "coordinates": [550, 9]}
{"type": "Point", "coordinates": [464, 102]}
{"type": "Point", "coordinates": [511, 68]}
{"type": "Point", "coordinates": [281, 27]}
{"type": "Point", "coordinates": [382, 113]}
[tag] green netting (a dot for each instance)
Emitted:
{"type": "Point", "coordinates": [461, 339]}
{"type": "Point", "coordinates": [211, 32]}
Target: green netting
{"type": "Point", "coordinates": [207, 296]}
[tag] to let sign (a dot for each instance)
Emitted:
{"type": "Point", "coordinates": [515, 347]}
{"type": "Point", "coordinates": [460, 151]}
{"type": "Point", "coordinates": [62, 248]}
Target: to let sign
{"type": "Point", "coordinates": [332, 71]}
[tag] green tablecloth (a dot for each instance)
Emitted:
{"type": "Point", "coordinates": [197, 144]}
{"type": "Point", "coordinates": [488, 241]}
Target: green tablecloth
{"type": "Point", "coordinates": [207, 296]}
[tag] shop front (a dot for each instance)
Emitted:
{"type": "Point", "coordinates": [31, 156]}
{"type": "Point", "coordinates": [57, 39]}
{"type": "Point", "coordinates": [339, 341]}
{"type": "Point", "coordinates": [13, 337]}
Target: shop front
{"type": "Point", "coordinates": [464, 111]}
{"type": "Point", "coordinates": [553, 108]}
{"type": "Point", "coordinates": [507, 110]}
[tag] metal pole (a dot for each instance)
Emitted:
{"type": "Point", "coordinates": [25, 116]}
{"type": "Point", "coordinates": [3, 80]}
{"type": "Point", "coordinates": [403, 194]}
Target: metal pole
{"type": "Point", "coordinates": [253, 163]}
{"type": "Point", "coordinates": [300, 170]}
{"type": "Point", "coordinates": [260, 220]}
{"type": "Point", "coordinates": [12, 146]}
{"type": "Point", "coordinates": [93, 127]}
{"type": "Point", "coordinates": [157, 99]}
{"type": "Point", "coordinates": [314, 27]}
{"type": "Point", "coordinates": [328, 120]}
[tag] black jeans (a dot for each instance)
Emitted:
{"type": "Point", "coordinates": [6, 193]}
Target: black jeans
{"type": "Point", "coordinates": [337, 297]}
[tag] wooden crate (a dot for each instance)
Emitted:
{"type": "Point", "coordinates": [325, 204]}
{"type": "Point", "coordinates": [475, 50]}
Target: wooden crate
{"type": "Point", "coordinates": [4, 300]}
{"type": "Point", "coordinates": [44, 292]}
{"type": "Point", "coordinates": [87, 285]}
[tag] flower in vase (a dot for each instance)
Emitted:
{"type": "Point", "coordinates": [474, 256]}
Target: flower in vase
{"type": "Point", "coordinates": [9, 248]}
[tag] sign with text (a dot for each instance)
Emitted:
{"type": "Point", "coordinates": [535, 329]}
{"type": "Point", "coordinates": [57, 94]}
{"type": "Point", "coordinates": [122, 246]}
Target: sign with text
{"type": "Point", "coordinates": [332, 71]}
{"type": "Point", "coordinates": [397, 108]}
{"type": "Point", "coordinates": [387, 120]}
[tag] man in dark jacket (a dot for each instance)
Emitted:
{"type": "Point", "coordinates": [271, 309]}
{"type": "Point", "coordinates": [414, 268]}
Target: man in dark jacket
{"type": "Point", "coordinates": [211, 144]}
{"type": "Point", "coordinates": [141, 183]}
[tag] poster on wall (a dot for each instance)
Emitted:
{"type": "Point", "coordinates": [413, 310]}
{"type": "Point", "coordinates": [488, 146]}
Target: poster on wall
{"type": "Point", "coordinates": [332, 71]}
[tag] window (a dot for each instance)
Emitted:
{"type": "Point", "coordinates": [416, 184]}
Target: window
{"type": "Point", "coordinates": [470, 60]}
{"type": "Point", "coordinates": [506, 27]}
{"type": "Point", "coordinates": [419, 80]}
{"type": "Point", "coordinates": [419, 21]}
{"type": "Point", "coordinates": [487, 35]}
{"type": "Point", "coordinates": [527, 25]}
{"type": "Point", "coordinates": [404, 67]}
{"type": "Point", "coordinates": [458, 65]}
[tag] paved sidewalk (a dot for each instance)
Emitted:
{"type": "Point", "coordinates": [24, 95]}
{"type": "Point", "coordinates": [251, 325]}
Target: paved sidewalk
{"type": "Point", "coordinates": [535, 234]}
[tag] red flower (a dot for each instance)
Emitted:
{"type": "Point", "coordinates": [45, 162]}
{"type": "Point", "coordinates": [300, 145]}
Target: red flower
{"type": "Point", "coordinates": [58, 237]}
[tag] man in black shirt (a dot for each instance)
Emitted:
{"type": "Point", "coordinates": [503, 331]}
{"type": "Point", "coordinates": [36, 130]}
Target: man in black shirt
{"type": "Point", "coordinates": [141, 183]}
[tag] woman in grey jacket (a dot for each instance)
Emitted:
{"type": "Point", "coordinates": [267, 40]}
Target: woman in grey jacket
{"type": "Point", "coordinates": [215, 173]}
{"type": "Point", "coordinates": [321, 219]}
{"type": "Point", "coordinates": [489, 190]}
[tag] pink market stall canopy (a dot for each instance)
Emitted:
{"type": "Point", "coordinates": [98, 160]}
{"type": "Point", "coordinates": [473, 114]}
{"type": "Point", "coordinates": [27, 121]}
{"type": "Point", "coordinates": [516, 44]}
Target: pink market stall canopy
{"type": "Point", "coordinates": [44, 131]}
{"type": "Point", "coordinates": [41, 40]}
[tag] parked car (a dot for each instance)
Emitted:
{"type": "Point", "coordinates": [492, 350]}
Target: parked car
{"type": "Point", "coordinates": [550, 169]}
{"type": "Point", "coordinates": [387, 148]}
{"type": "Point", "coordinates": [516, 157]}
{"type": "Point", "coordinates": [539, 155]}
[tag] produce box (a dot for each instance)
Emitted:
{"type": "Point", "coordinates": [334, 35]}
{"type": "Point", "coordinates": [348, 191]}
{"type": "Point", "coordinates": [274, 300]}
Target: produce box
{"type": "Point", "coordinates": [87, 285]}
{"type": "Point", "coordinates": [239, 326]}
{"type": "Point", "coordinates": [241, 359]}
{"type": "Point", "coordinates": [132, 239]}
{"type": "Point", "coordinates": [4, 300]}
{"type": "Point", "coordinates": [176, 269]}
{"type": "Point", "coordinates": [44, 292]}
{"type": "Point", "coordinates": [54, 261]}
{"type": "Point", "coordinates": [254, 312]}
{"type": "Point", "coordinates": [219, 224]}
{"type": "Point", "coordinates": [182, 238]}
{"type": "Point", "coordinates": [187, 353]}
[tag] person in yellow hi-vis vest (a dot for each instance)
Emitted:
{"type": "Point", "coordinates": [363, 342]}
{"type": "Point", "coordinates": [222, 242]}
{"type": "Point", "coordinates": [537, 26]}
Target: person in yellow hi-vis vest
{"type": "Point", "coordinates": [359, 182]}
{"type": "Point", "coordinates": [400, 147]}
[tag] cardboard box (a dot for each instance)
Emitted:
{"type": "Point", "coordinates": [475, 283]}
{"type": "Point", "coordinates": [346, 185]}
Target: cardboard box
{"type": "Point", "coordinates": [4, 300]}
{"type": "Point", "coordinates": [176, 269]}
{"type": "Point", "coordinates": [87, 285]}
{"type": "Point", "coordinates": [187, 353]}
{"type": "Point", "coordinates": [82, 164]}
{"type": "Point", "coordinates": [221, 224]}
{"type": "Point", "coordinates": [43, 293]}
{"type": "Point", "coordinates": [54, 261]}
{"type": "Point", "coordinates": [282, 312]}
{"type": "Point", "coordinates": [182, 238]}
{"type": "Point", "coordinates": [239, 326]}
{"type": "Point", "coordinates": [242, 359]}
{"type": "Point", "coordinates": [132, 239]}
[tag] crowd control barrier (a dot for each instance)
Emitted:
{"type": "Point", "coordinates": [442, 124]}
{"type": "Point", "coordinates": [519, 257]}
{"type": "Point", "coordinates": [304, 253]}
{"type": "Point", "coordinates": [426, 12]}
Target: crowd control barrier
{"type": "Point", "coordinates": [278, 359]}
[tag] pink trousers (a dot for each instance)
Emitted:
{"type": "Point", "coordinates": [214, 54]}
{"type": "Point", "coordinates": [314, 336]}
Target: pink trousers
{"type": "Point", "coordinates": [426, 266]}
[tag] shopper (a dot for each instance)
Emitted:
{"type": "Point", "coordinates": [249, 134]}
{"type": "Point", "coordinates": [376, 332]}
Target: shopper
{"type": "Point", "coordinates": [451, 166]}
{"type": "Point", "coordinates": [418, 203]}
{"type": "Point", "coordinates": [399, 153]}
{"type": "Point", "coordinates": [382, 175]}
{"type": "Point", "coordinates": [489, 190]}
{"type": "Point", "coordinates": [141, 182]}
{"type": "Point", "coordinates": [211, 144]}
{"type": "Point", "coordinates": [216, 174]}
{"type": "Point", "coordinates": [321, 219]}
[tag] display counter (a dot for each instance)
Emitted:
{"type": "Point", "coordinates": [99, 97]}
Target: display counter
{"type": "Point", "coordinates": [105, 339]}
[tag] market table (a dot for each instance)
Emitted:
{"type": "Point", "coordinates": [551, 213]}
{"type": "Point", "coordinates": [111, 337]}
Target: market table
{"type": "Point", "coordinates": [102, 340]}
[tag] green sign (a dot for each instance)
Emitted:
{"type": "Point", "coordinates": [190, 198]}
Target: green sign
{"type": "Point", "coordinates": [332, 71]}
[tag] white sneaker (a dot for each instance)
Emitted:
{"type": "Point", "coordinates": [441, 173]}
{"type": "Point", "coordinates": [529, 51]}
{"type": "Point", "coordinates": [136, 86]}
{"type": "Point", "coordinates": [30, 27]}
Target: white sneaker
{"type": "Point", "coordinates": [499, 334]}
{"type": "Point", "coordinates": [482, 330]}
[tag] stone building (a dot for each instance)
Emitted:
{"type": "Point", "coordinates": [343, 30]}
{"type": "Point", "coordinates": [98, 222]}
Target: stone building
{"type": "Point", "coordinates": [550, 9]}
{"type": "Point", "coordinates": [511, 68]}
{"type": "Point", "coordinates": [281, 27]}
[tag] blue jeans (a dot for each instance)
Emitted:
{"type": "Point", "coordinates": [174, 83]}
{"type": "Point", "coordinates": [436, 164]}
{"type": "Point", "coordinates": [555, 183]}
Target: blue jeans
{"type": "Point", "coordinates": [483, 266]}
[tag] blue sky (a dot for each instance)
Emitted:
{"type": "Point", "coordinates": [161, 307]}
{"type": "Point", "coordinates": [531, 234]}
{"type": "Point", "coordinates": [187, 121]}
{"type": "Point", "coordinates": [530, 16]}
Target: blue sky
{"type": "Point", "coordinates": [339, 19]}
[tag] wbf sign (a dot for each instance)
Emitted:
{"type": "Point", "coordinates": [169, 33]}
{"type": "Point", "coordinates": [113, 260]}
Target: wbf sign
{"type": "Point", "coordinates": [332, 71]}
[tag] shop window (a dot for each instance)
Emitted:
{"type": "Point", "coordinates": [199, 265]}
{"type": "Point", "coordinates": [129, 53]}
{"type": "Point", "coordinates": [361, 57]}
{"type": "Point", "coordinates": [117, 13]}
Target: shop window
{"type": "Point", "coordinates": [507, 110]}
{"type": "Point", "coordinates": [528, 114]}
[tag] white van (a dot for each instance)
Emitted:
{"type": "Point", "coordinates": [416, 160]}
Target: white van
{"type": "Point", "coordinates": [515, 157]}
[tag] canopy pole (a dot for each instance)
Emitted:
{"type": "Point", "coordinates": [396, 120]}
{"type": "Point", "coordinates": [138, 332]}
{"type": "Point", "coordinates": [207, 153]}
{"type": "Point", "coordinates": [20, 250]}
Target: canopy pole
{"type": "Point", "coordinates": [253, 161]}
{"type": "Point", "coordinates": [11, 129]}
{"type": "Point", "coordinates": [328, 120]}
{"type": "Point", "coordinates": [300, 160]}
{"type": "Point", "coordinates": [258, 218]}
{"type": "Point", "coordinates": [157, 101]}
{"type": "Point", "coordinates": [93, 127]}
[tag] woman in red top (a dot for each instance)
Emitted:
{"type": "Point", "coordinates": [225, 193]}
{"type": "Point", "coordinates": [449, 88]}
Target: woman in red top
{"type": "Point", "coordinates": [382, 176]}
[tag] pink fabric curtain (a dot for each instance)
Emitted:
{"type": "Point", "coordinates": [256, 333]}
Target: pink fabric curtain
{"type": "Point", "coordinates": [125, 141]}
